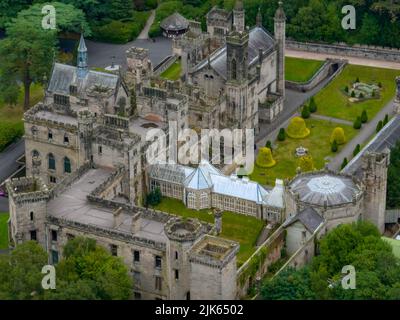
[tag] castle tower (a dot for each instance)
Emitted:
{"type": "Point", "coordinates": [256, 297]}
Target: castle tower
{"type": "Point", "coordinates": [82, 62]}
{"type": "Point", "coordinates": [237, 77]}
{"type": "Point", "coordinates": [375, 167]}
{"type": "Point", "coordinates": [259, 18]}
{"type": "Point", "coordinates": [181, 236]}
{"type": "Point", "coordinates": [238, 16]}
{"type": "Point", "coordinates": [28, 198]}
{"type": "Point", "coordinates": [85, 128]}
{"type": "Point", "coordinates": [213, 269]}
{"type": "Point", "coordinates": [280, 37]}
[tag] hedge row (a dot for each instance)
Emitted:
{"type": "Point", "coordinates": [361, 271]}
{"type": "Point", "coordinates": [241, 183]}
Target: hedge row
{"type": "Point", "coordinates": [121, 31]}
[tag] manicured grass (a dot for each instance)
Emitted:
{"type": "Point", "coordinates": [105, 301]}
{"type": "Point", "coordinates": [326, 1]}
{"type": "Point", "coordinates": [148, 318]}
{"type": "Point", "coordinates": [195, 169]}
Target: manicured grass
{"type": "Point", "coordinates": [395, 245]}
{"type": "Point", "coordinates": [173, 72]}
{"type": "Point", "coordinates": [237, 227]}
{"type": "Point", "coordinates": [318, 146]}
{"type": "Point", "coordinates": [301, 70]}
{"type": "Point", "coordinates": [3, 230]}
{"type": "Point", "coordinates": [331, 101]}
{"type": "Point", "coordinates": [11, 126]}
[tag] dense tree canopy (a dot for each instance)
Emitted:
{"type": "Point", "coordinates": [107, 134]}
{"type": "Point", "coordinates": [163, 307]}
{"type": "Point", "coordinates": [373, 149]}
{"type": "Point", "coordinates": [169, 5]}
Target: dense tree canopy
{"type": "Point", "coordinates": [358, 244]}
{"type": "Point", "coordinates": [393, 181]}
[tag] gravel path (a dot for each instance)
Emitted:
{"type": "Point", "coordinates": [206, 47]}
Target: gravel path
{"type": "Point", "coordinates": [330, 119]}
{"type": "Point", "coordinates": [144, 34]}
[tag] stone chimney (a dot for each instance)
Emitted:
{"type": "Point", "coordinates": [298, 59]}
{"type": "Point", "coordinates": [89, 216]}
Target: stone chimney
{"type": "Point", "coordinates": [117, 217]}
{"type": "Point", "coordinates": [218, 221]}
{"type": "Point", "coordinates": [136, 223]}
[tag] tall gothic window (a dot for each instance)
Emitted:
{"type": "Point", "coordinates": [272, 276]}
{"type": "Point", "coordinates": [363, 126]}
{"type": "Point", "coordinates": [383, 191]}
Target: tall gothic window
{"type": "Point", "coordinates": [52, 162]}
{"type": "Point", "coordinates": [234, 69]}
{"type": "Point", "coordinates": [67, 165]}
{"type": "Point", "coordinates": [191, 200]}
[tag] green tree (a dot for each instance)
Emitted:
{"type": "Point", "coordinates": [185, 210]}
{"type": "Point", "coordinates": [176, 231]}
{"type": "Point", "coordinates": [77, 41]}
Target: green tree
{"type": "Point", "coordinates": [344, 163]}
{"type": "Point", "coordinates": [357, 123]}
{"type": "Point", "coordinates": [88, 271]}
{"type": "Point", "coordinates": [313, 105]}
{"type": "Point", "coordinates": [385, 120]}
{"type": "Point", "coordinates": [356, 150]}
{"type": "Point", "coordinates": [20, 276]}
{"type": "Point", "coordinates": [289, 285]}
{"type": "Point", "coordinates": [281, 134]}
{"type": "Point", "coordinates": [305, 112]}
{"type": "Point", "coordinates": [26, 54]}
{"type": "Point", "coordinates": [334, 146]}
{"type": "Point", "coordinates": [154, 197]}
{"type": "Point", "coordinates": [379, 126]}
{"type": "Point", "coordinates": [269, 144]}
{"type": "Point", "coordinates": [364, 116]}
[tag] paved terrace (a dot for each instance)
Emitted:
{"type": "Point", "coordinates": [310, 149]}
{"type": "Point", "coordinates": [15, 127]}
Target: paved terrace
{"type": "Point", "coordinates": [73, 205]}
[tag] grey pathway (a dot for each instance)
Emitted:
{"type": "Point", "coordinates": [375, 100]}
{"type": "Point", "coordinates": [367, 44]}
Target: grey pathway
{"type": "Point", "coordinates": [144, 34]}
{"type": "Point", "coordinates": [331, 119]}
{"type": "Point", "coordinates": [101, 54]}
{"type": "Point", "coordinates": [365, 133]}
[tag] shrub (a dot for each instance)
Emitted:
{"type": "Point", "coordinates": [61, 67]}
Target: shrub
{"type": "Point", "coordinates": [338, 136]}
{"type": "Point", "coordinates": [385, 120]}
{"type": "Point", "coordinates": [154, 197]}
{"type": "Point", "coordinates": [268, 144]}
{"type": "Point", "coordinates": [344, 163]}
{"type": "Point", "coordinates": [364, 116]}
{"type": "Point", "coordinates": [358, 79]}
{"type": "Point", "coordinates": [346, 89]}
{"type": "Point", "coordinates": [380, 84]}
{"type": "Point", "coordinates": [306, 163]}
{"type": "Point", "coordinates": [297, 128]}
{"type": "Point", "coordinates": [312, 106]}
{"type": "Point", "coordinates": [361, 95]}
{"type": "Point", "coordinates": [264, 158]}
{"type": "Point", "coordinates": [334, 146]}
{"type": "Point", "coordinates": [379, 126]}
{"type": "Point", "coordinates": [356, 150]}
{"type": "Point", "coordinates": [305, 113]}
{"type": "Point", "coordinates": [353, 94]}
{"type": "Point", "coordinates": [357, 123]}
{"type": "Point", "coordinates": [373, 93]}
{"type": "Point", "coordinates": [281, 134]}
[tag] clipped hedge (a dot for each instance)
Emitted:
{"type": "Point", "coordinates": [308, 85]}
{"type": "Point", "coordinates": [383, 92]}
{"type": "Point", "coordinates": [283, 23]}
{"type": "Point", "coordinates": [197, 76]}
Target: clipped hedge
{"type": "Point", "coordinates": [297, 128]}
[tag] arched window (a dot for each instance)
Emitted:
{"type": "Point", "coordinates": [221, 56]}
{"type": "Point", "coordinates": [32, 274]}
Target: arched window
{"type": "Point", "coordinates": [234, 69]}
{"type": "Point", "coordinates": [66, 139]}
{"type": "Point", "coordinates": [35, 153]}
{"type": "Point", "coordinates": [50, 135]}
{"type": "Point", "coordinates": [67, 165]}
{"type": "Point", "coordinates": [52, 162]}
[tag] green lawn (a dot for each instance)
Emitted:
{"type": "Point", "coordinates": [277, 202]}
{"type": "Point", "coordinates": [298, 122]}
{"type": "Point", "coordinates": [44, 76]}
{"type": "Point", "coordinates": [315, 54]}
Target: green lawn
{"type": "Point", "coordinates": [317, 143]}
{"type": "Point", "coordinates": [331, 101]}
{"type": "Point", "coordinates": [11, 125]}
{"type": "Point", "coordinates": [301, 70]}
{"type": "Point", "coordinates": [395, 245]}
{"type": "Point", "coordinates": [237, 227]}
{"type": "Point", "coordinates": [173, 72]}
{"type": "Point", "coordinates": [3, 230]}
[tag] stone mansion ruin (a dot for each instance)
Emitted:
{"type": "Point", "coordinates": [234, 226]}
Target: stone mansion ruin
{"type": "Point", "coordinates": [87, 172]}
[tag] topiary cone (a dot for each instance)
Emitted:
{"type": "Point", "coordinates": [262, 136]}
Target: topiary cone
{"type": "Point", "coordinates": [297, 128]}
{"type": "Point", "coordinates": [265, 159]}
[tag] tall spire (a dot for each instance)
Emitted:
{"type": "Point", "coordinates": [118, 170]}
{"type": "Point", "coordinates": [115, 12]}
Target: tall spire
{"type": "Point", "coordinates": [259, 18]}
{"type": "Point", "coordinates": [238, 16]}
{"type": "Point", "coordinates": [280, 14]}
{"type": "Point", "coordinates": [82, 58]}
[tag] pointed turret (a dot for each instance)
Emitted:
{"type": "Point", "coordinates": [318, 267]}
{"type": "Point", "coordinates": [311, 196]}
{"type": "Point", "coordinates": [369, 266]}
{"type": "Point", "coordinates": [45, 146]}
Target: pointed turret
{"type": "Point", "coordinates": [280, 37]}
{"type": "Point", "coordinates": [82, 58]}
{"type": "Point", "coordinates": [259, 18]}
{"type": "Point", "coordinates": [238, 16]}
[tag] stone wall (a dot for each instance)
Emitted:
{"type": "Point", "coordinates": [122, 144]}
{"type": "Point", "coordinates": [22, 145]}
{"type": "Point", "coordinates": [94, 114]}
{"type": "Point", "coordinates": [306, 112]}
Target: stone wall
{"type": "Point", "coordinates": [331, 68]}
{"type": "Point", "coordinates": [257, 265]}
{"type": "Point", "coordinates": [359, 51]}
